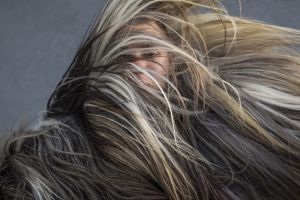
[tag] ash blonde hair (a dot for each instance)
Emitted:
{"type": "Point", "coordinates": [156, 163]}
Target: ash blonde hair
{"type": "Point", "coordinates": [225, 125]}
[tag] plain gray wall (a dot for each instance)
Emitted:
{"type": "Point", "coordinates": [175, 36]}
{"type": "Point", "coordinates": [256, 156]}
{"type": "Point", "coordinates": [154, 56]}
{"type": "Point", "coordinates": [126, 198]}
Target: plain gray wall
{"type": "Point", "coordinates": [38, 39]}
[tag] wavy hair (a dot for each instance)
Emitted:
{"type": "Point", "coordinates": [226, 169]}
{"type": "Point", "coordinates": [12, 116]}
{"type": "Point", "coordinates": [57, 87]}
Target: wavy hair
{"type": "Point", "coordinates": [224, 123]}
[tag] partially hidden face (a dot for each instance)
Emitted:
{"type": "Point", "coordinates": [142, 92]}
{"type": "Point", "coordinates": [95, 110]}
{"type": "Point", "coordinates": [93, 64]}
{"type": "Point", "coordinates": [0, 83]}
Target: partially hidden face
{"type": "Point", "coordinates": [156, 61]}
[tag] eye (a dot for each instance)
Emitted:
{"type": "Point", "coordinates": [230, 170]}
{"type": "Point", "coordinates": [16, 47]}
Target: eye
{"type": "Point", "coordinates": [151, 54]}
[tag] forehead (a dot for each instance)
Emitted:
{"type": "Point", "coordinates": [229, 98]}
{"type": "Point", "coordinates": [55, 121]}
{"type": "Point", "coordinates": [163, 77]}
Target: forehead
{"type": "Point", "coordinates": [146, 27]}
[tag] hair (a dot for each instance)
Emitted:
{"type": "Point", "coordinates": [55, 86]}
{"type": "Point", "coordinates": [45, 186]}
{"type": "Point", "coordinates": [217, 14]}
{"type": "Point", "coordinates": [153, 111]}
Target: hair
{"type": "Point", "coordinates": [224, 124]}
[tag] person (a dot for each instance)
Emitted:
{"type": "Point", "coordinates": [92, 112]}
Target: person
{"type": "Point", "coordinates": [168, 99]}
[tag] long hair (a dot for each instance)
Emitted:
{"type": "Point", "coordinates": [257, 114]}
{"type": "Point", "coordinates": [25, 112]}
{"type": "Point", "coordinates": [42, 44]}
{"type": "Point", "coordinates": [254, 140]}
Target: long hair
{"type": "Point", "coordinates": [224, 123]}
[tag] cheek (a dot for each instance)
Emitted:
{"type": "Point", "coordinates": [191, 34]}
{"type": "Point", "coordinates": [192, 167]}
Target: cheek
{"type": "Point", "coordinates": [164, 64]}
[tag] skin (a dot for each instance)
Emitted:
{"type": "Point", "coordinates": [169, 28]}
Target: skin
{"type": "Point", "coordinates": [157, 62]}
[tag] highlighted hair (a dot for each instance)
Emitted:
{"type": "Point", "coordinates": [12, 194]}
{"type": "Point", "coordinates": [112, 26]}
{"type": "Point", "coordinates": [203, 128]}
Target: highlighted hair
{"type": "Point", "coordinates": [224, 124]}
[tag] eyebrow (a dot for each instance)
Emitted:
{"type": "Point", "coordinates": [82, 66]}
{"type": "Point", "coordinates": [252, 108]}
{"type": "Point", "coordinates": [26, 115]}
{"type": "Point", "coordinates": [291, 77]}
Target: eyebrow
{"type": "Point", "coordinates": [142, 47]}
{"type": "Point", "coordinates": [150, 43]}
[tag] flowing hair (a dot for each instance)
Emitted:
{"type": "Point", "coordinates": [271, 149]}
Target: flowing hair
{"type": "Point", "coordinates": [224, 123]}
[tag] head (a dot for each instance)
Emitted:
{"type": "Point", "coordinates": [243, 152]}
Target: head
{"type": "Point", "coordinates": [148, 61]}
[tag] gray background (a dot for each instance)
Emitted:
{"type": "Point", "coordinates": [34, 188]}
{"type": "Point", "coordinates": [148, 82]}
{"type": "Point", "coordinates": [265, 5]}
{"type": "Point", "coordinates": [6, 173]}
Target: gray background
{"type": "Point", "coordinates": [38, 39]}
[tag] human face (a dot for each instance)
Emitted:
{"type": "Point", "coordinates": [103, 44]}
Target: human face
{"type": "Point", "coordinates": [156, 62]}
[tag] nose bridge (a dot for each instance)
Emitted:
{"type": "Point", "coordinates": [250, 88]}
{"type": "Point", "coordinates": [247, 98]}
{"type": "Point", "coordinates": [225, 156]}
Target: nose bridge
{"type": "Point", "coordinates": [138, 58]}
{"type": "Point", "coordinates": [141, 63]}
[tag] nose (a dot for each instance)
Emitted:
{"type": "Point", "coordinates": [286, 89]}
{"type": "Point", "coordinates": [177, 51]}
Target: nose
{"type": "Point", "coordinates": [139, 60]}
{"type": "Point", "coordinates": [141, 63]}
